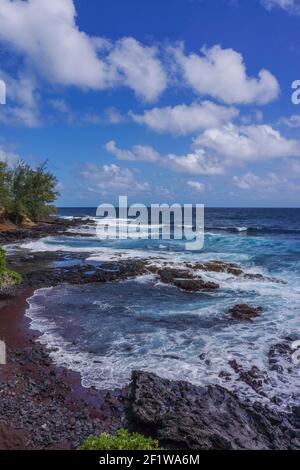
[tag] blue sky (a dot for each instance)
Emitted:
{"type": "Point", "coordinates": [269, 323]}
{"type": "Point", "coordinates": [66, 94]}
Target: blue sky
{"type": "Point", "coordinates": [165, 101]}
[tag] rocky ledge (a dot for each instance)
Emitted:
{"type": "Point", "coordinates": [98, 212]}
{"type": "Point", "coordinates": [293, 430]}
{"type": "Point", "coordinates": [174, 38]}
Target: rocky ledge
{"type": "Point", "coordinates": [185, 416]}
{"type": "Point", "coordinates": [44, 228]}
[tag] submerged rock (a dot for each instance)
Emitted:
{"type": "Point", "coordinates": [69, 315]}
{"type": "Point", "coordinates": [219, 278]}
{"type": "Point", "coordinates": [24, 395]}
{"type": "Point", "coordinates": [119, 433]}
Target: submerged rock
{"type": "Point", "coordinates": [244, 312]}
{"type": "Point", "coordinates": [185, 416]}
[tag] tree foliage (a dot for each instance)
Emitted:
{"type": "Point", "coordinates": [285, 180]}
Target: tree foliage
{"type": "Point", "coordinates": [27, 192]}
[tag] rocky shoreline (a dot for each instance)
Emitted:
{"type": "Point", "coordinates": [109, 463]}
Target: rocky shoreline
{"type": "Point", "coordinates": [46, 407]}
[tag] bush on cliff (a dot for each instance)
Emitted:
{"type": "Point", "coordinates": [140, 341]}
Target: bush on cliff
{"type": "Point", "coordinates": [8, 278]}
{"type": "Point", "coordinates": [123, 440]}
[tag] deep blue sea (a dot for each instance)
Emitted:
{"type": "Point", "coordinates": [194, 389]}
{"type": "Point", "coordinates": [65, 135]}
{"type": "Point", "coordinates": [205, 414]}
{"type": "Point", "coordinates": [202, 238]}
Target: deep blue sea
{"type": "Point", "coordinates": [104, 331]}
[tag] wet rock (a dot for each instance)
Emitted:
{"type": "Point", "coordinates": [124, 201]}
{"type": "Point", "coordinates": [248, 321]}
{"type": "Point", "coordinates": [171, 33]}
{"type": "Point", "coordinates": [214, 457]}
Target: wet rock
{"type": "Point", "coordinates": [296, 411]}
{"type": "Point", "coordinates": [184, 279]}
{"type": "Point", "coordinates": [184, 416]}
{"type": "Point", "coordinates": [222, 267]}
{"type": "Point", "coordinates": [194, 285]}
{"type": "Point", "coordinates": [168, 275]}
{"type": "Point", "coordinates": [254, 377]}
{"type": "Point", "coordinates": [244, 312]}
{"type": "Point", "coordinates": [280, 357]}
{"type": "Point", "coordinates": [43, 228]}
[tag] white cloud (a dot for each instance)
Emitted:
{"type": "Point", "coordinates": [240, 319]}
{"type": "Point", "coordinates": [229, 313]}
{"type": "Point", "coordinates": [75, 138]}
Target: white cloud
{"type": "Point", "coordinates": [194, 163]}
{"type": "Point", "coordinates": [197, 163]}
{"type": "Point", "coordinates": [114, 116]}
{"type": "Point", "coordinates": [10, 158]}
{"type": "Point", "coordinates": [74, 118]}
{"type": "Point", "coordinates": [250, 181]}
{"type": "Point", "coordinates": [137, 66]}
{"type": "Point", "coordinates": [183, 119]}
{"type": "Point", "coordinates": [247, 143]}
{"type": "Point", "coordinates": [45, 33]}
{"type": "Point", "coordinates": [21, 106]}
{"type": "Point", "coordinates": [138, 153]}
{"type": "Point", "coordinates": [221, 73]}
{"type": "Point", "coordinates": [291, 121]}
{"type": "Point", "coordinates": [111, 178]}
{"type": "Point", "coordinates": [291, 6]}
{"type": "Point", "coordinates": [196, 186]}
{"type": "Point", "coordinates": [296, 167]}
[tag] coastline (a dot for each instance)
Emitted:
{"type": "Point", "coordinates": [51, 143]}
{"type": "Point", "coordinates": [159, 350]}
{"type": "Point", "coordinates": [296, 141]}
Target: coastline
{"type": "Point", "coordinates": [65, 411]}
{"type": "Point", "coordinates": [44, 406]}
{"type": "Point", "coordinates": [28, 369]}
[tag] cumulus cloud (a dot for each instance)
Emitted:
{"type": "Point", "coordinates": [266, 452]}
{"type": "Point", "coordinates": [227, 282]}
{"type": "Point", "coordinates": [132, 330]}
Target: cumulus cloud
{"type": "Point", "coordinates": [247, 143]}
{"type": "Point", "coordinates": [111, 178]}
{"type": "Point", "coordinates": [138, 67]}
{"type": "Point", "coordinates": [138, 153]}
{"type": "Point", "coordinates": [196, 186]}
{"type": "Point", "coordinates": [196, 163]}
{"type": "Point", "coordinates": [221, 73]}
{"type": "Point", "coordinates": [183, 119]}
{"type": "Point", "coordinates": [22, 107]}
{"type": "Point", "coordinates": [45, 33]}
{"type": "Point", "coordinates": [267, 182]}
{"type": "Point", "coordinates": [291, 6]}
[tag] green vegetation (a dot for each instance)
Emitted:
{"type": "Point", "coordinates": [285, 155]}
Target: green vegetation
{"type": "Point", "coordinates": [8, 278]}
{"type": "Point", "coordinates": [26, 192]}
{"type": "Point", "coordinates": [123, 440]}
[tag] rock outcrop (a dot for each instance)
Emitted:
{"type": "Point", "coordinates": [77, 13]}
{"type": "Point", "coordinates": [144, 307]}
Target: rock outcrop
{"type": "Point", "coordinates": [184, 279]}
{"type": "Point", "coordinates": [185, 416]}
{"type": "Point", "coordinates": [244, 312]}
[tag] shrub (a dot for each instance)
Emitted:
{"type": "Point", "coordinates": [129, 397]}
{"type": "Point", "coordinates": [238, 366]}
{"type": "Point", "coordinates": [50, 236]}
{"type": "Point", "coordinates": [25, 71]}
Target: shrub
{"type": "Point", "coordinates": [2, 260]}
{"type": "Point", "coordinates": [123, 440]}
{"type": "Point", "coordinates": [8, 278]}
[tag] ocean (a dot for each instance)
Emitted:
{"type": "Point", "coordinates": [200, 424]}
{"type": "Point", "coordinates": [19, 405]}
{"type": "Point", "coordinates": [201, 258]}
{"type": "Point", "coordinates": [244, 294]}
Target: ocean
{"type": "Point", "coordinates": [104, 331]}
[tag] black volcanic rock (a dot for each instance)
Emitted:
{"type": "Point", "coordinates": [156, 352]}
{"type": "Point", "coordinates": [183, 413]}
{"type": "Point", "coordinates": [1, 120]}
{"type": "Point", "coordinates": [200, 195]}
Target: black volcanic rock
{"type": "Point", "coordinates": [184, 279]}
{"type": "Point", "coordinates": [194, 285]}
{"type": "Point", "coordinates": [185, 416]}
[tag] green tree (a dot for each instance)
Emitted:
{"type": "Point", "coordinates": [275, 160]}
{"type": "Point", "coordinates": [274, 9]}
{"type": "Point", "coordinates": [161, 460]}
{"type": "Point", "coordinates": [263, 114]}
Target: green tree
{"type": "Point", "coordinates": [33, 192]}
{"type": "Point", "coordinates": [5, 182]}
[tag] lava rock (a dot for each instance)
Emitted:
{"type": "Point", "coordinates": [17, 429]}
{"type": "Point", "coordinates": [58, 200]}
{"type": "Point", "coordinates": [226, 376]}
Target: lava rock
{"type": "Point", "coordinates": [244, 312]}
{"type": "Point", "coordinates": [184, 416]}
